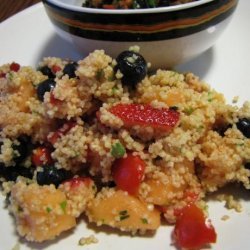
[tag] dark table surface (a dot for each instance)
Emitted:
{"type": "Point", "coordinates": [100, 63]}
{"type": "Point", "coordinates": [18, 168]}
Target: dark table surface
{"type": "Point", "coordinates": [11, 7]}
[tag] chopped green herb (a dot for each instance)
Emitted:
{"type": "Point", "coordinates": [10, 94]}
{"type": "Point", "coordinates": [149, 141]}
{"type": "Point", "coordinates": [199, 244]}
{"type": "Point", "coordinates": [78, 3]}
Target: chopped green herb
{"type": "Point", "coordinates": [200, 128]}
{"type": "Point", "coordinates": [10, 76]}
{"type": "Point", "coordinates": [206, 208]}
{"type": "Point", "coordinates": [63, 206]}
{"type": "Point", "coordinates": [174, 108]}
{"type": "Point", "coordinates": [111, 78]}
{"type": "Point", "coordinates": [48, 209]}
{"type": "Point", "coordinates": [118, 150]}
{"type": "Point", "coordinates": [123, 212]}
{"type": "Point", "coordinates": [34, 112]}
{"type": "Point", "coordinates": [99, 74]}
{"type": "Point", "coordinates": [151, 3]}
{"type": "Point", "coordinates": [189, 110]}
{"type": "Point", "coordinates": [210, 96]}
{"type": "Point", "coordinates": [123, 215]}
{"type": "Point", "coordinates": [144, 220]}
{"type": "Point", "coordinates": [114, 89]}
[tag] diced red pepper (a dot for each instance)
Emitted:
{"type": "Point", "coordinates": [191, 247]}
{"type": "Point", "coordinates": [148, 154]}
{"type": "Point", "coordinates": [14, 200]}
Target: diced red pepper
{"type": "Point", "coordinates": [14, 66]}
{"type": "Point", "coordinates": [54, 136]}
{"type": "Point", "coordinates": [145, 115]}
{"type": "Point", "coordinates": [41, 156]}
{"type": "Point", "coordinates": [128, 173]}
{"type": "Point", "coordinates": [192, 229]}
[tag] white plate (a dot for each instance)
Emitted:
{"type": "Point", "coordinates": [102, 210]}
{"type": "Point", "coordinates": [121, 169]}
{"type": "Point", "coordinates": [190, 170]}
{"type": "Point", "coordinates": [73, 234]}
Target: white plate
{"type": "Point", "coordinates": [29, 36]}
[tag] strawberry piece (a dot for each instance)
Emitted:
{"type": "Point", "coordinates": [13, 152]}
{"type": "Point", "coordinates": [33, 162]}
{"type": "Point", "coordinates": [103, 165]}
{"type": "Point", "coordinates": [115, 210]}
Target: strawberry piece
{"type": "Point", "coordinates": [54, 136]}
{"type": "Point", "coordinates": [77, 181]}
{"type": "Point", "coordinates": [14, 66]}
{"type": "Point", "coordinates": [108, 6]}
{"type": "Point", "coordinates": [2, 75]}
{"type": "Point", "coordinates": [145, 115]}
{"type": "Point", "coordinates": [54, 101]}
{"type": "Point", "coordinates": [55, 68]}
{"type": "Point", "coordinates": [41, 156]}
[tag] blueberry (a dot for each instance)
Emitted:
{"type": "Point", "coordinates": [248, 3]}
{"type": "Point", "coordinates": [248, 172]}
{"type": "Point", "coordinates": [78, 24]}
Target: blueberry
{"type": "Point", "coordinates": [21, 149]}
{"type": "Point", "coordinates": [47, 71]}
{"type": "Point", "coordinates": [164, 3]}
{"type": "Point", "coordinates": [2, 168]}
{"type": "Point", "coordinates": [43, 87]}
{"type": "Point", "coordinates": [244, 126]}
{"type": "Point", "coordinates": [52, 175]}
{"type": "Point", "coordinates": [247, 165]}
{"type": "Point", "coordinates": [11, 173]}
{"type": "Point", "coordinates": [69, 69]}
{"type": "Point", "coordinates": [133, 67]}
{"type": "Point", "coordinates": [222, 128]}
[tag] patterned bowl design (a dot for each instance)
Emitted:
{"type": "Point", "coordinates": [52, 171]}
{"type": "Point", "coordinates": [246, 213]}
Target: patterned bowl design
{"type": "Point", "coordinates": [140, 26]}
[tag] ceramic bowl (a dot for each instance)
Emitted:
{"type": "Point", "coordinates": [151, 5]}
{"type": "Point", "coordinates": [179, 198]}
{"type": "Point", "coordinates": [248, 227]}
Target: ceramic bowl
{"type": "Point", "coordinates": [167, 36]}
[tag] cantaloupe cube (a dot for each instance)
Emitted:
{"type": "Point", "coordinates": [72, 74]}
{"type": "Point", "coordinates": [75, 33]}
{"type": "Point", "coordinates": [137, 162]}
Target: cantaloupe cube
{"type": "Point", "coordinates": [118, 209]}
{"type": "Point", "coordinates": [40, 211]}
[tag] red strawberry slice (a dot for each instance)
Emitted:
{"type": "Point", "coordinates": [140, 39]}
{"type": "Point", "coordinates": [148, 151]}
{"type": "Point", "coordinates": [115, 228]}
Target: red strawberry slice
{"type": "Point", "coordinates": [54, 136]}
{"type": "Point", "coordinates": [145, 115]}
{"type": "Point", "coordinates": [77, 181]}
{"type": "Point", "coordinates": [2, 75]}
{"type": "Point", "coordinates": [14, 66]}
{"type": "Point", "coordinates": [41, 156]}
{"type": "Point", "coordinates": [54, 101]}
{"type": "Point", "coordinates": [55, 68]}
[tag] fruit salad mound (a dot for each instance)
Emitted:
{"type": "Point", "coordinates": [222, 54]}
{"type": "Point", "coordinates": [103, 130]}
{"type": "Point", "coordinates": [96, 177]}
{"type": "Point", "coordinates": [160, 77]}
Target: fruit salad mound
{"type": "Point", "coordinates": [104, 138]}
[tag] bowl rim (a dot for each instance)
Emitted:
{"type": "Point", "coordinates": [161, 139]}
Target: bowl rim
{"type": "Point", "coordinates": [67, 6]}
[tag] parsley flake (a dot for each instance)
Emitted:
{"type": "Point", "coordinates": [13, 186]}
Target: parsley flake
{"type": "Point", "coordinates": [123, 215]}
{"type": "Point", "coordinates": [118, 150]}
{"type": "Point", "coordinates": [63, 206]}
{"type": "Point", "coordinates": [99, 74]}
{"type": "Point", "coordinates": [189, 110]}
{"type": "Point", "coordinates": [48, 209]}
{"type": "Point", "coordinates": [114, 89]}
{"type": "Point", "coordinates": [144, 221]}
